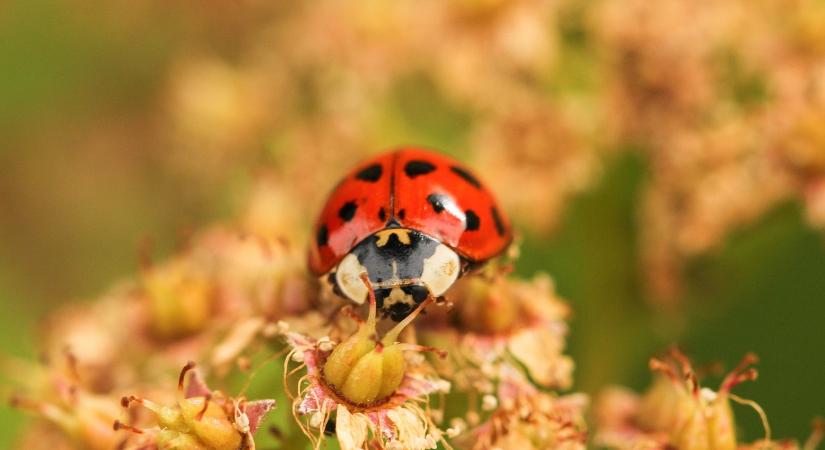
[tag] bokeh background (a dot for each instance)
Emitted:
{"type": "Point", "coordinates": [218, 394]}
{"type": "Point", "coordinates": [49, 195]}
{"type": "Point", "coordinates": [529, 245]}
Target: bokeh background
{"type": "Point", "coordinates": [664, 161]}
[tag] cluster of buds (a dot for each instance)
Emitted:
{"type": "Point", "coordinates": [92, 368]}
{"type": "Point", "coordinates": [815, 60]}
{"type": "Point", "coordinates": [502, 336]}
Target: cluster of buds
{"type": "Point", "coordinates": [499, 323]}
{"type": "Point", "coordinates": [201, 419]}
{"type": "Point", "coordinates": [679, 413]}
{"type": "Point", "coordinates": [521, 416]}
{"type": "Point", "coordinates": [365, 370]}
{"type": "Point", "coordinates": [373, 386]}
{"type": "Point", "coordinates": [56, 394]}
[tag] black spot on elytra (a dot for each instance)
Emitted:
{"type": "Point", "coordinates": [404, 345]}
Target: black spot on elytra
{"type": "Point", "coordinates": [416, 167]}
{"type": "Point", "coordinates": [402, 214]}
{"type": "Point", "coordinates": [472, 220]}
{"type": "Point", "coordinates": [382, 214]}
{"type": "Point", "coordinates": [497, 221]}
{"type": "Point", "coordinates": [438, 201]}
{"type": "Point", "coordinates": [322, 236]}
{"type": "Point", "coordinates": [467, 176]}
{"type": "Point", "coordinates": [371, 173]}
{"type": "Point", "coordinates": [347, 212]}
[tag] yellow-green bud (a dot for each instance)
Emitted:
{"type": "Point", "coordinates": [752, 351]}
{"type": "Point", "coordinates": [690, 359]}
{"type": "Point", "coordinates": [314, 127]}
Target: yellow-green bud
{"type": "Point", "coordinates": [179, 299]}
{"type": "Point", "coordinates": [392, 371]}
{"type": "Point", "coordinates": [211, 426]}
{"type": "Point", "coordinates": [487, 307]}
{"type": "Point", "coordinates": [365, 379]}
{"type": "Point", "coordinates": [364, 371]}
{"type": "Point", "coordinates": [346, 355]}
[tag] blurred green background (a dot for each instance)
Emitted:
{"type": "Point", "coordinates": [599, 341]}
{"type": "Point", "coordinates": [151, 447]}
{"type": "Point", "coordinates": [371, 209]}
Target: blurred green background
{"type": "Point", "coordinates": [81, 187]}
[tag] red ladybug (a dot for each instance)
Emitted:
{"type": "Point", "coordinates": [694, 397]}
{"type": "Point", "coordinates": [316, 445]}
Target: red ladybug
{"type": "Point", "coordinates": [414, 221]}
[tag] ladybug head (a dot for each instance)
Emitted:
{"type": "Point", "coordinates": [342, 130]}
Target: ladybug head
{"type": "Point", "coordinates": [404, 267]}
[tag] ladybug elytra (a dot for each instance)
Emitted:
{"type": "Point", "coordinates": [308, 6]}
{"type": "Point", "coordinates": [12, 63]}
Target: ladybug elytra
{"type": "Point", "coordinates": [414, 221]}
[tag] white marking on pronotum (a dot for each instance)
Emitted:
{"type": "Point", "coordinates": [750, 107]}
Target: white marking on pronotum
{"type": "Point", "coordinates": [440, 270]}
{"type": "Point", "coordinates": [348, 277]}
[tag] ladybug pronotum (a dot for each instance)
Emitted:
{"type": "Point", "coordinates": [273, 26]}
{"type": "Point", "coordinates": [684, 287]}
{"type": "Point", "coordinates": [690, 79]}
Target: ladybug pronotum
{"type": "Point", "coordinates": [414, 221]}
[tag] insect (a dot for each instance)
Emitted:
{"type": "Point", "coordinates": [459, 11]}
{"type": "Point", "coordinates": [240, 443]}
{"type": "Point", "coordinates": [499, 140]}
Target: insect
{"type": "Point", "coordinates": [414, 221]}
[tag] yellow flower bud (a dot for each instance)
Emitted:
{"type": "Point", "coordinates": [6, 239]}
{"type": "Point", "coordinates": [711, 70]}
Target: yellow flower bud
{"type": "Point", "coordinates": [209, 424]}
{"type": "Point", "coordinates": [346, 354]}
{"type": "Point", "coordinates": [487, 308]}
{"type": "Point", "coordinates": [179, 299]}
{"type": "Point", "coordinates": [392, 371]}
{"type": "Point", "coordinates": [365, 379]}
{"type": "Point", "coordinates": [364, 371]}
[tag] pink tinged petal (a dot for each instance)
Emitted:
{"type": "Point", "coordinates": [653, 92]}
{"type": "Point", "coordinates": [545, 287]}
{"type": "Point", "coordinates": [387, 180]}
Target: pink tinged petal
{"type": "Point", "coordinates": [298, 341]}
{"type": "Point", "coordinates": [414, 387]}
{"type": "Point", "coordinates": [255, 412]}
{"type": "Point", "coordinates": [310, 358]}
{"type": "Point", "coordinates": [196, 386]}
{"type": "Point", "coordinates": [316, 399]}
{"type": "Point", "coordinates": [383, 423]}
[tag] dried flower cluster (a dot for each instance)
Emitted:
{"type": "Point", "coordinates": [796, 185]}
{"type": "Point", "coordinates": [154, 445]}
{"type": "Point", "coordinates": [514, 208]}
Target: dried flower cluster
{"type": "Point", "coordinates": [540, 93]}
{"type": "Point", "coordinates": [677, 412]}
{"type": "Point", "coordinates": [723, 109]}
{"type": "Point", "coordinates": [483, 369]}
{"type": "Point", "coordinates": [496, 345]}
{"type": "Point", "coordinates": [727, 113]}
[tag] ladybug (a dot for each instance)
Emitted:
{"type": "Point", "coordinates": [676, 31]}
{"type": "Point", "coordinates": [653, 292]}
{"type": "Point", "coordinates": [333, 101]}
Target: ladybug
{"type": "Point", "coordinates": [414, 221]}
